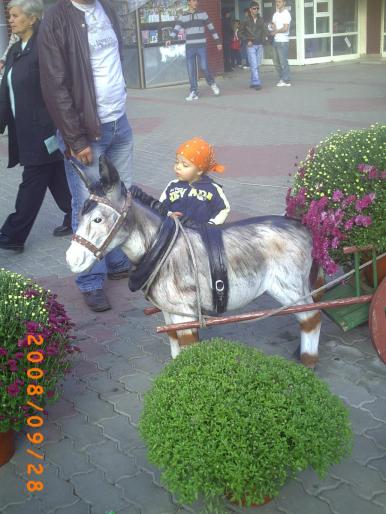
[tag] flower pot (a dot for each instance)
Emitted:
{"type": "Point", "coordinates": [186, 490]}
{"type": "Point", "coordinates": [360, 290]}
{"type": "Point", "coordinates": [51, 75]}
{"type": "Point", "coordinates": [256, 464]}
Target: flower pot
{"type": "Point", "coordinates": [7, 446]}
{"type": "Point", "coordinates": [381, 271]}
{"type": "Point", "coordinates": [267, 499]}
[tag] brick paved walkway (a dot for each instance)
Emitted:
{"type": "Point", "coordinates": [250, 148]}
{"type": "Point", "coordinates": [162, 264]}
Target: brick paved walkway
{"type": "Point", "coordinates": [95, 461]}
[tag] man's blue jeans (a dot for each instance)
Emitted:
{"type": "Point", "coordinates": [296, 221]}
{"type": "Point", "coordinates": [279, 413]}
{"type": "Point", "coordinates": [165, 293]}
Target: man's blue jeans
{"type": "Point", "coordinates": [191, 54]}
{"type": "Point", "coordinates": [280, 60]}
{"type": "Point", "coordinates": [117, 144]}
{"type": "Point", "coordinates": [255, 56]}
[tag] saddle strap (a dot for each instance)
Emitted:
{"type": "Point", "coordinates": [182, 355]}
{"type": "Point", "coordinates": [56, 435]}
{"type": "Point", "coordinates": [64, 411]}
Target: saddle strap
{"type": "Point", "coordinates": [212, 238]}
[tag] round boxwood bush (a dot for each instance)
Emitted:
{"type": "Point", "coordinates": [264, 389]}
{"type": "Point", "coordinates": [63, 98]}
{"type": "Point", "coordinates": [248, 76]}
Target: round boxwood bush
{"type": "Point", "coordinates": [225, 419]}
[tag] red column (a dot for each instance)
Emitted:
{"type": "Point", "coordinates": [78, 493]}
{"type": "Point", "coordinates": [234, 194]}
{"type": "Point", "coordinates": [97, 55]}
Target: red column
{"type": "Point", "coordinates": [215, 58]}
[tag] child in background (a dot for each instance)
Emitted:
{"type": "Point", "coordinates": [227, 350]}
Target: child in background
{"type": "Point", "coordinates": [236, 45]}
{"type": "Point", "coordinates": [193, 193]}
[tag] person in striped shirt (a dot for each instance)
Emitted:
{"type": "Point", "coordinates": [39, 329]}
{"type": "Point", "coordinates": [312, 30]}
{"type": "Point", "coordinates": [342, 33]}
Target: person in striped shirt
{"type": "Point", "coordinates": [194, 22]}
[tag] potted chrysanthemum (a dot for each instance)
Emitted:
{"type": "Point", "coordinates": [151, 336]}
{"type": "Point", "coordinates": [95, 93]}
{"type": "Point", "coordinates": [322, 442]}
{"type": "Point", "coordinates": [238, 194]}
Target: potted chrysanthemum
{"type": "Point", "coordinates": [339, 193]}
{"type": "Point", "coordinates": [225, 420]}
{"type": "Point", "coordinates": [28, 313]}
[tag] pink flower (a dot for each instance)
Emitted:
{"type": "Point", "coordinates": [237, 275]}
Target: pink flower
{"type": "Point", "coordinates": [383, 175]}
{"type": "Point", "coordinates": [50, 394]}
{"type": "Point", "coordinates": [18, 355]}
{"type": "Point", "coordinates": [363, 221]}
{"type": "Point", "coordinates": [337, 195]}
{"type": "Point", "coordinates": [3, 352]}
{"type": "Point", "coordinates": [12, 364]}
{"type": "Point", "coordinates": [349, 224]}
{"type": "Point", "coordinates": [13, 389]}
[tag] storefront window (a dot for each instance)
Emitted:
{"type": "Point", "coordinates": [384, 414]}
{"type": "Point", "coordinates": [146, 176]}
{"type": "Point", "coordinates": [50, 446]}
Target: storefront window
{"type": "Point", "coordinates": [317, 47]}
{"type": "Point", "coordinates": [384, 26]}
{"type": "Point", "coordinates": [345, 16]}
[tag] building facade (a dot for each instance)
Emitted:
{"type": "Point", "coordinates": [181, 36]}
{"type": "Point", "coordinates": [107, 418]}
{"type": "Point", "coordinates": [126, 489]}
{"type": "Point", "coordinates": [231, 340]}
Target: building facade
{"type": "Point", "coordinates": [321, 31]}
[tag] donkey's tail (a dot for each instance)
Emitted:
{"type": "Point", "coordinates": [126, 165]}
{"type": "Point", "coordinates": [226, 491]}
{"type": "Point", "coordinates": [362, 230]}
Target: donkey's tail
{"type": "Point", "coordinates": [316, 279]}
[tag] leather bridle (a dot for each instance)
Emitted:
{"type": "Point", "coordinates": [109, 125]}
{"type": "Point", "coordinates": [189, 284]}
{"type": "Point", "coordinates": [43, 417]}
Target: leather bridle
{"type": "Point", "coordinates": [122, 215]}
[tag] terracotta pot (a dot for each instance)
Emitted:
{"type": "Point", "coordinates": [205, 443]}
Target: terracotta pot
{"type": "Point", "coordinates": [267, 499]}
{"type": "Point", "coordinates": [7, 446]}
{"type": "Point", "coordinates": [381, 271]}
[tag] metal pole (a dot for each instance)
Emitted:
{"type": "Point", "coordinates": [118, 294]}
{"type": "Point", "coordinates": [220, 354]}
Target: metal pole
{"type": "Point", "coordinates": [272, 312]}
{"type": "Point", "coordinates": [142, 79]}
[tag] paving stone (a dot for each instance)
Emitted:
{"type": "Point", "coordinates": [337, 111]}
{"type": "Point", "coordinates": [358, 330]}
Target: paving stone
{"type": "Point", "coordinates": [60, 410]}
{"type": "Point", "coordinates": [67, 459]}
{"type": "Point", "coordinates": [365, 449]}
{"type": "Point", "coordinates": [143, 464]}
{"type": "Point", "coordinates": [82, 433]}
{"type": "Point", "coordinates": [84, 368]}
{"type": "Point", "coordinates": [129, 509]}
{"type": "Point", "coordinates": [378, 409]}
{"type": "Point", "coordinates": [313, 485]}
{"type": "Point", "coordinates": [127, 404]}
{"type": "Point", "coordinates": [374, 385]}
{"type": "Point", "coordinates": [137, 383]}
{"type": "Point", "coordinates": [13, 488]}
{"type": "Point", "coordinates": [293, 500]}
{"type": "Point", "coordinates": [71, 388]}
{"type": "Point", "coordinates": [343, 500]}
{"type": "Point", "coordinates": [77, 508]}
{"type": "Point", "coordinates": [364, 481]}
{"type": "Point", "coordinates": [355, 395]}
{"type": "Point", "coordinates": [147, 364]}
{"type": "Point", "coordinates": [93, 406]}
{"type": "Point", "coordinates": [110, 360]}
{"type": "Point", "coordinates": [347, 353]}
{"type": "Point", "coordinates": [152, 499]}
{"type": "Point", "coordinates": [341, 369]}
{"type": "Point", "coordinates": [362, 420]}
{"type": "Point", "coordinates": [93, 489]}
{"type": "Point", "coordinates": [380, 465]}
{"type": "Point", "coordinates": [33, 506]}
{"type": "Point", "coordinates": [125, 349]}
{"type": "Point", "coordinates": [121, 431]}
{"type": "Point", "coordinates": [159, 349]}
{"type": "Point", "coordinates": [373, 365]}
{"type": "Point", "coordinates": [103, 384]}
{"type": "Point", "coordinates": [378, 435]}
{"type": "Point", "coordinates": [113, 462]}
{"type": "Point", "coordinates": [380, 499]}
{"type": "Point", "coordinates": [57, 492]}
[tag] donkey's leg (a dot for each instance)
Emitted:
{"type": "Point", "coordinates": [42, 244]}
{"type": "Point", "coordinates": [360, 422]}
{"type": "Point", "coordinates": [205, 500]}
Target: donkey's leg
{"type": "Point", "coordinates": [183, 338]}
{"type": "Point", "coordinates": [310, 322]}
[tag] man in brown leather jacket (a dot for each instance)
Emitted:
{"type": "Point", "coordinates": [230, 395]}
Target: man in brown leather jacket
{"type": "Point", "coordinates": [254, 33]}
{"type": "Point", "coordinates": [84, 90]}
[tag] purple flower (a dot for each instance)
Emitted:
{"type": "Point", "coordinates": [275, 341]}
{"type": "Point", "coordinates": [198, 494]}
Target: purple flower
{"type": "Point", "coordinates": [12, 364]}
{"type": "Point", "coordinates": [52, 350]}
{"type": "Point", "coordinates": [337, 195]}
{"type": "Point", "coordinates": [364, 202]}
{"type": "Point", "coordinates": [18, 355]}
{"type": "Point", "coordinates": [50, 394]}
{"type": "Point", "coordinates": [349, 224]}
{"type": "Point", "coordinates": [13, 389]}
{"type": "Point", "coordinates": [363, 221]}
{"type": "Point", "coordinates": [3, 352]}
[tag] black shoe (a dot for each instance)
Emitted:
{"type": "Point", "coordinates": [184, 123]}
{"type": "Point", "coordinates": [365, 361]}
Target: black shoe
{"type": "Point", "coordinates": [62, 230]}
{"type": "Point", "coordinates": [257, 88]}
{"type": "Point", "coordinates": [97, 300]}
{"type": "Point", "coordinates": [118, 275]}
{"type": "Point", "coordinates": [7, 244]}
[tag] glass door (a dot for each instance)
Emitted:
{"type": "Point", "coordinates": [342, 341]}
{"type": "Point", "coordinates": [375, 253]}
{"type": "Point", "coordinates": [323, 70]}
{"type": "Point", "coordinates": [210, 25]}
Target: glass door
{"type": "Point", "coordinates": [383, 46]}
{"type": "Point", "coordinates": [317, 29]}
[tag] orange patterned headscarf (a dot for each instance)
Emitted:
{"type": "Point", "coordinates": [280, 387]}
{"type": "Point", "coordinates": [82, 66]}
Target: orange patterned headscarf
{"type": "Point", "coordinates": [201, 154]}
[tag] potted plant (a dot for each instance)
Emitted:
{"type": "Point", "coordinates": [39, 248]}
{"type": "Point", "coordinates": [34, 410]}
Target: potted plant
{"type": "Point", "coordinates": [27, 311]}
{"type": "Point", "coordinates": [339, 193]}
{"type": "Point", "coordinates": [224, 419]}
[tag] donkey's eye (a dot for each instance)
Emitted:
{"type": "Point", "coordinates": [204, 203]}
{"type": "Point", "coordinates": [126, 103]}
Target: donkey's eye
{"type": "Point", "coordinates": [97, 220]}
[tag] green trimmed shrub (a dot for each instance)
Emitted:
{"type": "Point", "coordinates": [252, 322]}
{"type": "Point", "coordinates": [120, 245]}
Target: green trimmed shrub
{"type": "Point", "coordinates": [225, 419]}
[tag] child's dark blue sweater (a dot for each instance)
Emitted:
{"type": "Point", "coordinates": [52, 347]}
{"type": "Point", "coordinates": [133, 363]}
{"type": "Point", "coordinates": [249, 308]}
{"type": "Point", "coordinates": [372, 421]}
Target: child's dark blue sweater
{"type": "Point", "coordinates": [203, 201]}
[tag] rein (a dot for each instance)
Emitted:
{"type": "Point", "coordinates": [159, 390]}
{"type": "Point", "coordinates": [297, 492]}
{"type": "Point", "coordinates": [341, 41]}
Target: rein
{"type": "Point", "coordinates": [122, 215]}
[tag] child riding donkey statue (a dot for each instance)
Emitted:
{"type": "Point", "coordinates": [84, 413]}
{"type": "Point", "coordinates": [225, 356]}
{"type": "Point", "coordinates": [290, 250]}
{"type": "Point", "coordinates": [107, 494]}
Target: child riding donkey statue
{"type": "Point", "coordinates": [188, 269]}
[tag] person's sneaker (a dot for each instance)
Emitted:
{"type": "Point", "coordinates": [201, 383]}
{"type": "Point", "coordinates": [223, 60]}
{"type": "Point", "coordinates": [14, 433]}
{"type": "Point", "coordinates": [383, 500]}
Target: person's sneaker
{"type": "Point", "coordinates": [245, 67]}
{"type": "Point", "coordinates": [96, 300]}
{"type": "Point", "coordinates": [192, 96]}
{"type": "Point", "coordinates": [281, 83]}
{"type": "Point", "coordinates": [287, 84]}
{"type": "Point", "coordinates": [62, 230]}
{"type": "Point", "coordinates": [7, 244]}
{"type": "Point", "coordinates": [215, 89]}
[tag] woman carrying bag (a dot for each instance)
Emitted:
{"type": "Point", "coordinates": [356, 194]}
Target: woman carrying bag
{"type": "Point", "coordinates": [31, 133]}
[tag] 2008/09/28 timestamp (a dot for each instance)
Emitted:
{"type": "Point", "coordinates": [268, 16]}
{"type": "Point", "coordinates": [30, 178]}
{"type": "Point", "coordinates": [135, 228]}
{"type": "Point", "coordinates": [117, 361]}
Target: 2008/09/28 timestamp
{"type": "Point", "coordinates": [35, 390]}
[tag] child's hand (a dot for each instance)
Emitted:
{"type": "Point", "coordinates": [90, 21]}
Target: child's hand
{"type": "Point", "coordinates": [176, 214]}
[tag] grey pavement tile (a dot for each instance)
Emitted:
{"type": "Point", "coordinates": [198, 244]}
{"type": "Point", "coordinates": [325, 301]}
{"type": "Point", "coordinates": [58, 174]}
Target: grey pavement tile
{"type": "Point", "coordinates": [344, 500]}
{"type": "Point", "coordinates": [114, 463]}
{"type": "Point", "coordinates": [13, 487]}
{"type": "Point", "coordinates": [293, 500]}
{"type": "Point", "coordinates": [79, 507]}
{"type": "Point", "coordinates": [93, 489]}
{"type": "Point", "coordinates": [57, 491]}
{"type": "Point", "coordinates": [34, 505]}
{"type": "Point", "coordinates": [151, 498]}
{"type": "Point", "coordinates": [69, 460]}
{"type": "Point", "coordinates": [125, 349]}
{"type": "Point", "coordinates": [378, 409]}
{"type": "Point", "coordinates": [93, 406]}
{"type": "Point", "coordinates": [103, 384]}
{"type": "Point", "coordinates": [121, 431]}
{"type": "Point", "coordinates": [365, 449]}
{"type": "Point", "coordinates": [313, 485]}
{"type": "Point", "coordinates": [380, 465]}
{"type": "Point", "coordinates": [380, 500]}
{"type": "Point", "coordinates": [362, 420]}
{"type": "Point", "coordinates": [127, 404]}
{"type": "Point", "coordinates": [137, 383]}
{"type": "Point", "coordinates": [148, 365]}
{"type": "Point", "coordinates": [364, 481]}
{"type": "Point", "coordinates": [354, 395]}
{"type": "Point", "coordinates": [60, 410]}
{"type": "Point", "coordinates": [81, 432]}
{"type": "Point", "coordinates": [378, 435]}
{"type": "Point", "coordinates": [143, 464]}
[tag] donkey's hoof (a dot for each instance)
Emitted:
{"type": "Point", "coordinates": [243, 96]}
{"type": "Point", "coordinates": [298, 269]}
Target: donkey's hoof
{"type": "Point", "coordinates": [308, 360]}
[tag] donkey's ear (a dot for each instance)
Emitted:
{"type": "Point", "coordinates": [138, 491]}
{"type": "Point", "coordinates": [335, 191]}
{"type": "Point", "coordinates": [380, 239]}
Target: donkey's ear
{"type": "Point", "coordinates": [109, 175]}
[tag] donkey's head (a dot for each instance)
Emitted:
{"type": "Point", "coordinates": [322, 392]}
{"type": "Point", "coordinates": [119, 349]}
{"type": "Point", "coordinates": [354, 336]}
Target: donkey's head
{"type": "Point", "coordinates": [101, 226]}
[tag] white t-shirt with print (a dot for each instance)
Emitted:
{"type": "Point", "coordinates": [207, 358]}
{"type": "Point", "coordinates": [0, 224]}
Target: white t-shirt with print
{"type": "Point", "coordinates": [105, 63]}
{"type": "Point", "coordinates": [280, 19]}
